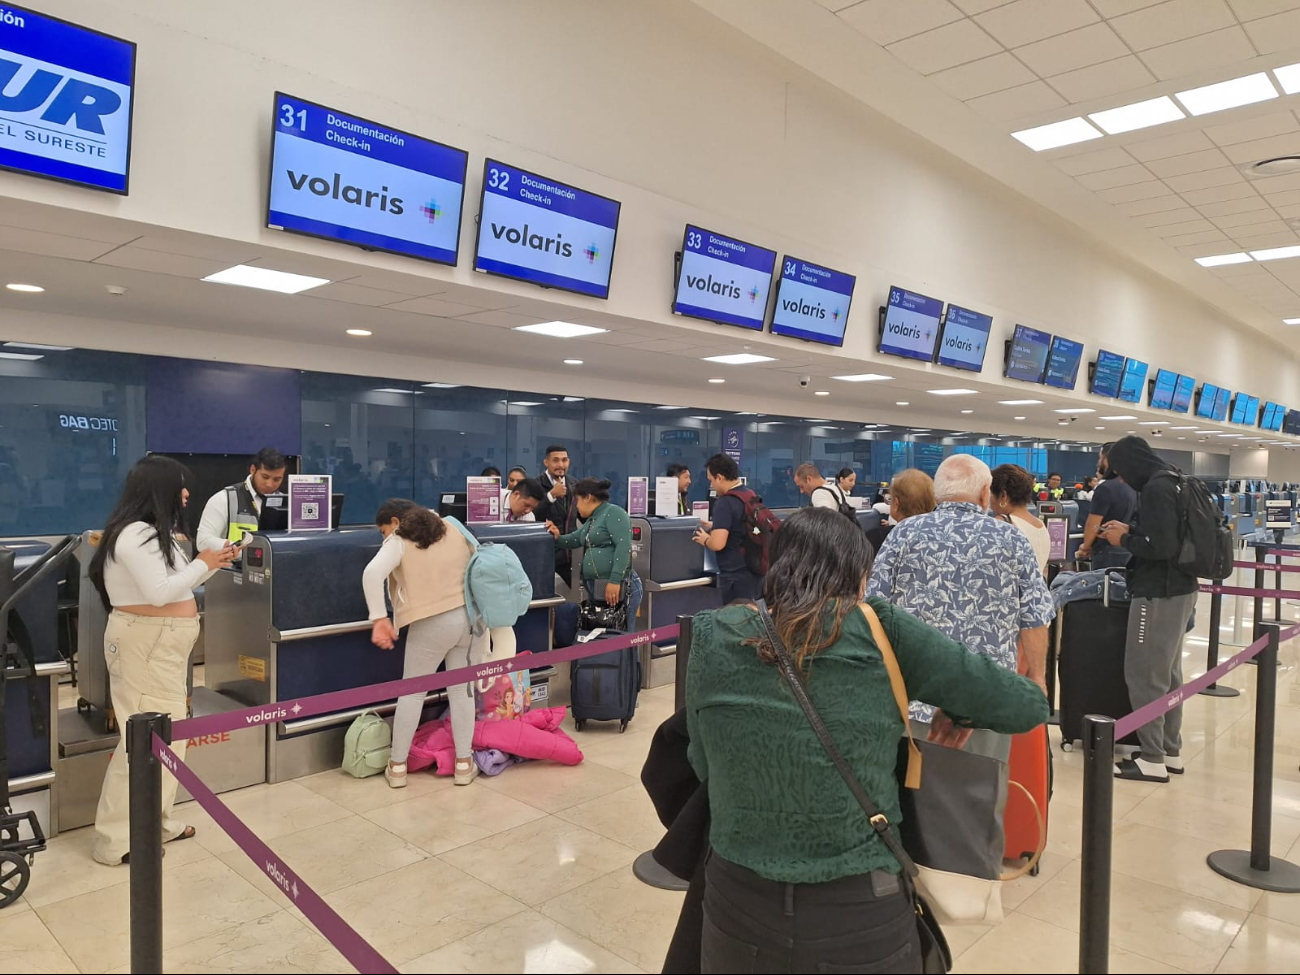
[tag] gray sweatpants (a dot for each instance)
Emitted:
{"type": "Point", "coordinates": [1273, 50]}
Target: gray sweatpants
{"type": "Point", "coordinates": [429, 641]}
{"type": "Point", "coordinates": [1153, 666]}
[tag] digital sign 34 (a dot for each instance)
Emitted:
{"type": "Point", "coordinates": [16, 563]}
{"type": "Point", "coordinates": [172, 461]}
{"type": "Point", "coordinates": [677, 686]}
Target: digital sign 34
{"type": "Point", "coordinates": [812, 302]}
{"type": "Point", "coordinates": [533, 228]}
{"type": "Point", "coordinates": [65, 100]}
{"type": "Point", "coordinates": [723, 279]}
{"type": "Point", "coordinates": [345, 178]}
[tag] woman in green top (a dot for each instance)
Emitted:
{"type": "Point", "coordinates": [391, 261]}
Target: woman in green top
{"type": "Point", "coordinates": [797, 881]}
{"type": "Point", "coordinates": [606, 538]}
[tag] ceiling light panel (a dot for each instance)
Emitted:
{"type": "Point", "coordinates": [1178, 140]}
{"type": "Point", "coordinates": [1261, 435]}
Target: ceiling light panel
{"type": "Point", "coordinates": [1218, 260]}
{"type": "Point", "coordinates": [1057, 134]}
{"type": "Point", "coordinates": [863, 377]}
{"type": "Point", "coordinates": [561, 330]}
{"type": "Point", "coordinates": [1227, 94]}
{"type": "Point", "coordinates": [738, 359]}
{"type": "Point", "coordinates": [266, 279]}
{"type": "Point", "coordinates": [1276, 253]}
{"type": "Point", "coordinates": [1139, 115]}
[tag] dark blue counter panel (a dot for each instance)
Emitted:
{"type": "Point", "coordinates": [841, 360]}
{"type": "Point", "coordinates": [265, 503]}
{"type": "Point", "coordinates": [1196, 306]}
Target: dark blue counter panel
{"type": "Point", "coordinates": [29, 754]}
{"type": "Point", "coordinates": [39, 609]}
{"type": "Point", "coordinates": [316, 578]}
{"type": "Point", "coordinates": [674, 555]}
{"type": "Point", "coordinates": [868, 518]}
{"type": "Point", "coordinates": [533, 630]}
{"type": "Point", "coordinates": [667, 606]}
{"type": "Point", "coordinates": [535, 548]}
{"type": "Point", "coordinates": [317, 665]}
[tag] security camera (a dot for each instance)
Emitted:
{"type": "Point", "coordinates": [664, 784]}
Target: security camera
{"type": "Point", "coordinates": [116, 290]}
{"type": "Point", "coordinates": [805, 381]}
{"type": "Point", "coordinates": [1156, 432]}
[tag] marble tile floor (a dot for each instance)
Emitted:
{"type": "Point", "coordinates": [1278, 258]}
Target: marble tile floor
{"type": "Point", "coordinates": [530, 871]}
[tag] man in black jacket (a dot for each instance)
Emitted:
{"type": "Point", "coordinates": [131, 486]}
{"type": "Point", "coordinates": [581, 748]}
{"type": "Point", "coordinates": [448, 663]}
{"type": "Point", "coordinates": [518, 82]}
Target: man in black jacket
{"type": "Point", "coordinates": [558, 507]}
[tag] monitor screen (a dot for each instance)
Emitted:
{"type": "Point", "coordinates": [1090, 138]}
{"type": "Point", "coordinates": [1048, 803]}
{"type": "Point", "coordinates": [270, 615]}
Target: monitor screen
{"type": "Point", "coordinates": [1183, 390]}
{"type": "Point", "coordinates": [65, 100]}
{"type": "Point", "coordinates": [346, 178]}
{"type": "Point", "coordinates": [1107, 373]}
{"type": "Point", "coordinates": [1063, 363]}
{"type": "Point", "coordinates": [1221, 399]}
{"type": "Point", "coordinates": [1279, 418]}
{"type": "Point", "coordinates": [1134, 381]}
{"type": "Point", "coordinates": [1162, 390]}
{"type": "Point", "coordinates": [532, 228]}
{"type": "Point", "coordinates": [723, 279]}
{"type": "Point", "coordinates": [1245, 409]}
{"type": "Point", "coordinates": [1205, 402]}
{"type": "Point", "coordinates": [1027, 354]}
{"type": "Point", "coordinates": [1291, 423]}
{"type": "Point", "coordinates": [964, 338]}
{"type": "Point", "coordinates": [910, 327]}
{"type": "Point", "coordinates": [1266, 417]}
{"type": "Point", "coordinates": [812, 302]}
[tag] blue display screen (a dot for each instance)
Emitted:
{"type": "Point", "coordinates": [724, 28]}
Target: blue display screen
{"type": "Point", "coordinates": [1291, 423]}
{"type": "Point", "coordinates": [812, 302]}
{"type": "Point", "coordinates": [1270, 419]}
{"type": "Point", "coordinates": [1245, 409]}
{"type": "Point", "coordinates": [1221, 400]}
{"type": "Point", "coordinates": [1107, 373]}
{"type": "Point", "coordinates": [1162, 392]}
{"type": "Point", "coordinates": [1027, 354]}
{"type": "Point", "coordinates": [1183, 390]}
{"type": "Point", "coordinates": [65, 100]}
{"type": "Point", "coordinates": [532, 228]}
{"type": "Point", "coordinates": [1205, 405]}
{"type": "Point", "coordinates": [1063, 363]}
{"type": "Point", "coordinates": [911, 325]}
{"type": "Point", "coordinates": [723, 279]}
{"type": "Point", "coordinates": [964, 338]}
{"type": "Point", "coordinates": [346, 178]}
{"type": "Point", "coordinates": [1134, 381]}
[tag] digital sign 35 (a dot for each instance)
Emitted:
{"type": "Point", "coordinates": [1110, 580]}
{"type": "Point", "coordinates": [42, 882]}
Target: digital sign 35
{"type": "Point", "coordinates": [723, 279]}
{"type": "Point", "coordinates": [911, 325]}
{"type": "Point", "coordinates": [65, 100]}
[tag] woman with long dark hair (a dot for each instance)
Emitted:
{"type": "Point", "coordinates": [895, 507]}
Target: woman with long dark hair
{"type": "Point", "coordinates": [798, 881]}
{"type": "Point", "coordinates": [424, 562]}
{"type": "Point", "coordinates": [147, 584]}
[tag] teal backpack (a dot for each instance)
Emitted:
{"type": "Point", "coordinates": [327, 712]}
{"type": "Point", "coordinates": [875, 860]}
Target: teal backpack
{"type": "Point", "coordinates": [367, 745]}
{"type": "Point", "coordinates": [497, 590]}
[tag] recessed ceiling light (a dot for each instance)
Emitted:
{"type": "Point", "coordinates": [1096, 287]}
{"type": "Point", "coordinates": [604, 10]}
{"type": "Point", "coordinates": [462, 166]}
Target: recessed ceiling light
{"type": "Point", "coordinates": [1182, 438]}
{"type": "Point", "coordinates": [715, 381]}
{"type": "Point", "coordinates": [573, 362]}
{"type": "Point", "coordinates": [821, 392]}
{"type": "Point", "coordinates": [738, 359]}
{"type": "Point", "coordinates": [1229, 435]}
{"type": "Point", "coordinates": [360, 332]}
{"type": "Point", "coordinates": [393, 389]}
{"type": "Point", "coordinates": [1276, 253]}
{"type": "Point", "coordinates": [608, 411]}
{"type": "Point", "coordinates": [1182, 428]}
{"type": "Point", "coordinates": [1122, 416]}
{"type": "Point", "coordinates": [266, 279]}
{"type": "Point", "coordinates": [705, 418]}
{"type": "Point", "coordinates": [1291, 321]}
{"type": "Point", "coordinates": [1139, 115]}
{"type": "Point", "coordinates": [953, 392]}
{"type": "Point", "coordinates": [968, 411]}
{"type": "Point", "coordinates": [24, 356]}
{"type": "Point", "coordinates": [1020, 418]}
{"type": "Point", "coordinates": [521, 402]}
{"type": "Point", "coordinates": [863, 377]}
{"type": "Point", "coordinates": [902, 402]}
{"type": "Point", "coordinates": [1020, 402]}
{"type": "Point", "coordinates": [1227, 94]}
{"type": "Point", "coordinates": [38, 347]}
{"type": "Point", "coordinates": [1075, 410]}
{"type": "Point", "coordinates": [561, 330]}
{"type": "Point", "coordinates": [1057, 134]}
{"type": "Point", "coordinates": [1217, 260]}
{"type": "Point", "coordinates": [34, 289]}
{"type": "Point", "coordinates": [1099, 428]}
{"type": "Point", "coordinates": [574, 399]}
{"type": "Point", "coordinates": [920, 429]}
{"type": "Point", "coordinates": [670, 407]}
{"type": "Point", "coordinates": [1154, 423]}
{"type": "Point", "coordinates": [1288, 76]}
{"type": "Point", "coordinates": [443, 385]}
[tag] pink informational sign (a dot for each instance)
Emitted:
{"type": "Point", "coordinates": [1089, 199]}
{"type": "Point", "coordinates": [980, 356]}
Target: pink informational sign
{"type": "Point", "coordinates": [309, 502]}
{"type": "Point", "coordinates": [483, 499]}
{"type": "Point", "coordinates": [1058, 532]}
{"type": "Point", "coordinates": [638, 496]}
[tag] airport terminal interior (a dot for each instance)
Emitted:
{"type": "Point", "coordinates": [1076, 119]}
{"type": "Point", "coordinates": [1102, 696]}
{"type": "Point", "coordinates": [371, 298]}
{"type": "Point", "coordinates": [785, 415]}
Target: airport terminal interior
{"type": "Point", "coordinates": [412, 245]}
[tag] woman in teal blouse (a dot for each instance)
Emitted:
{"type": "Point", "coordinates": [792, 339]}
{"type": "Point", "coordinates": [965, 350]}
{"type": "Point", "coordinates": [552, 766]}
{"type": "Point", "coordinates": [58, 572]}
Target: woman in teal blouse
{"type": "Point", "coordinates": [606, 539]}
{"type": "Point", "coordinates": [797, 881]}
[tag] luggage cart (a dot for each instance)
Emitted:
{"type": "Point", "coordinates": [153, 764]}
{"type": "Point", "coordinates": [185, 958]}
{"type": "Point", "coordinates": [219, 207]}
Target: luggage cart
{"type": "Point", "coordinates": [18, 662]}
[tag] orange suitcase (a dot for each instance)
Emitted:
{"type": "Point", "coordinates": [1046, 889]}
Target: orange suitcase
{"type": "Point", "coordinates": [1028, 790]}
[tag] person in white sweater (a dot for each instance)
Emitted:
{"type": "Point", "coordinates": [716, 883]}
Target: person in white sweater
{"type": "Point", "coordinates": [147, 583]}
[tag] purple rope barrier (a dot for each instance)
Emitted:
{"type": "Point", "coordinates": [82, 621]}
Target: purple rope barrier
{"type": "Point", "coordinates": [1251, 591]}
{"type": "Point", "coordinates": [1270, 566]}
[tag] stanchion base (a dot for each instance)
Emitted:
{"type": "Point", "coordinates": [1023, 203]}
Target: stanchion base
{"type": "Point", "coordinates": [1281, 877]}
{"type": "Point", "coordinates": [647, 870]}
{"type": "Point", "coordinates": [1221, 690]}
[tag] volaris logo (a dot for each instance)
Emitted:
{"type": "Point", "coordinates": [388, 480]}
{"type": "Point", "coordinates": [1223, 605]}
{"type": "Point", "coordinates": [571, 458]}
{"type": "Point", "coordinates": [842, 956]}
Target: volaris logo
{"type": "Point", "coordinates": [431, 211]}
{"type": "Point", "coordinates": [592, 252]}
{"type": "Point", "coordinates": [753, 294]}
{"type": "Point", "coordinates": [835, 316]}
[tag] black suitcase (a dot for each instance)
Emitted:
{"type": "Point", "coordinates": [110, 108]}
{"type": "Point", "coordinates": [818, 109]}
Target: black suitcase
{"type": "Point", "coordinates": [1093, 635]}
{"type": "Point", "coordinates": [605, 686]}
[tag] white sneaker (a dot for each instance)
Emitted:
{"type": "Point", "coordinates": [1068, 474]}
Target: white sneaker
{"type": "Point", "coordinates": [395, 773]}
{"type": "Point", "coordinates": [465, 775]}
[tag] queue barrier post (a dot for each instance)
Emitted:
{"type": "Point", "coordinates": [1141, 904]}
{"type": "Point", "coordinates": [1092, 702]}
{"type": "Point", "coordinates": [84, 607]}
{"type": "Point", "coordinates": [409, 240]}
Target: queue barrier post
{"type": "Point", "coordinates": [1257, 867]}
{"type": "Point", "coordinates": [145, 806]}
{"type": "Point", "coordinates": [1212, 654]}
{"type": "Point", "coordinates": [1098, 821]}
{"type": "Point", "coordinates": [682, 659]}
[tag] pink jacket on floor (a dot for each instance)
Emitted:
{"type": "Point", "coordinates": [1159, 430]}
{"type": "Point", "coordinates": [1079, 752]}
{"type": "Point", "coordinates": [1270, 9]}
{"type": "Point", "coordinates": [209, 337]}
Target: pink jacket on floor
{"type": "Point", "coordinates": [536, 734]}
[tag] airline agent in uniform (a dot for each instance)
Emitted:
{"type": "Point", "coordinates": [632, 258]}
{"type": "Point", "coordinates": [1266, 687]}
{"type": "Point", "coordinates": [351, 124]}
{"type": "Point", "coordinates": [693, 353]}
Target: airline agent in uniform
{"type": "Point", "coordinates": [234, 510]}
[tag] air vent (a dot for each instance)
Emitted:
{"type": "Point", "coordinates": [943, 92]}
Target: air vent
{"type": "Point", "coordinates": [1277, 166]}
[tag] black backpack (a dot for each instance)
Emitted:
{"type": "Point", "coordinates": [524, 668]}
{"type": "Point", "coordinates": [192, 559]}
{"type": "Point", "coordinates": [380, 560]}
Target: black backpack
{"type": "Point", "coordinates": [841, 505]}
{"type": "Point", "coordinates": [1206, 544]}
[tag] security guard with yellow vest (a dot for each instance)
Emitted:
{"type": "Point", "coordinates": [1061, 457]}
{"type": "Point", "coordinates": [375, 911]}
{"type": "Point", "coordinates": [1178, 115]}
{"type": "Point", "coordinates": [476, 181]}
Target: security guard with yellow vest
{"type": "Point", "coordinates": [234, 510]}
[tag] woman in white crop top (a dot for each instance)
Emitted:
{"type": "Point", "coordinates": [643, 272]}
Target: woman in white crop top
{"type": "Point", "coordinates": [1012, 491]}
{"type": "Point", "coordinates": [147, 583]}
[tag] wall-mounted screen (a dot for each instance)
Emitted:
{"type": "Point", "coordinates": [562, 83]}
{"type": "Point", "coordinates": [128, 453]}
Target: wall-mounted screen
{"type": "Point", "coordinates": [65, 100]}
{"type": "Point", "coordinates": [1245, 409]}
{"type": "Point", "coordinates": [1272, 416]}
{"type": "Point", "coordinates": [964, 338]}
{"type": "Point", "coordinates": [1107, 373]}
{"type": "Point", "coordinates": [1134, 381]}
{"type": "Point", "coordinates": [1221, 400]}
{"type": "Point", "coordinates": [910, 327]}
{"type": "Point", "coordinates": [1162, 389]}
{"type": "Point", "coordinates": [812, 302]}
{"type": "Point", "coordinates": [1183, 390]}
{"type": "Point", "coordinates": [1291, 423]}
{"type": "Point", "coordinates": [346, 178]}
{"type": "Point", "coordinates": [532, 228]}
{"type": "Point", "coordinates": [1205, 401]}
{"type": "Point", "coordinates": [1027, 354]}
{"type": "Point", "coordinates": [1063, 363]}
{"type": "Point", "coordinates": [723, 279]}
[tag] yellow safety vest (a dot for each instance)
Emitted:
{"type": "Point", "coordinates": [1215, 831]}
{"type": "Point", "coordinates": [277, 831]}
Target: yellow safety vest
{"type": "Point", "coordinates": [241, 513]}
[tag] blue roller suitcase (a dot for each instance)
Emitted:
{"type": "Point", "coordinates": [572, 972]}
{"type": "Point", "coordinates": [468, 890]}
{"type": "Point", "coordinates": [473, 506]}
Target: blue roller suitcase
{"type": "Point", "coordinates": [604, 686]}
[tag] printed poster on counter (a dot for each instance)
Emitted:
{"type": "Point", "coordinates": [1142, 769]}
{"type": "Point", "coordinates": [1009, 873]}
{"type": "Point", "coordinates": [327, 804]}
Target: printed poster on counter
{"type": "Point", "coordinates": [1058, 533]}
{"type": "Point", "coordinates": [482, 499]}
{"type": "Point", "coordinates": [700, 509]}
{"type": "Point", "coordinates": [666, 497]}
{"type": "Point", "coordinates": [638, 496]}
{"type": "Point", "coordinates": [309, 502]}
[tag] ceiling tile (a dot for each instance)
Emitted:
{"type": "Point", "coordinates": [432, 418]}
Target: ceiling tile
{"type": "Point", "coordinates": [1156, 204]}
{"type": "Point", "coordinates": [1254, 9]}
{"type": "Point", "coordinates": [437, 307]}
{"type": "Point", "coordinates": [1213, 50]}
{"type": "Point", "coordinates": [1253, 230]}
{"type": "Point", "coordinates": [1204, 180]}
{"type": "Point", "coordinates": [354, 295]}
{"type": "Point", "coordinates": [1113, 8]}
{"type": "Point", "coordinates": [1276, 33]}
{"type": "Point", "coordinates": [945, 47]}
{"type": "Point", "coordinates": [1026, 21]}
{"type": "Point", "coordinates": [1252, 202]}
{"type": "Point", "coordinates": [1110, 178]}
{"type": "Point", "coordinates": [983, 77]}
{"type": "Point", "coordinates": [1169, 145]}
{"type": "Point", "coordinates": [52, 245]}
{"type": "Point", "coordinates": [887, 21]}
{"type": "Point", "coordinates": [1220, 194]}
{"type": "Point", "coordinates": [1284, 239]}
{"type": "Point", "coordinates": [1093, 162]}
{"type": "Point", "coordinates": [1230, 221]}
{"type": "Point", "coordinates": [1205, 237]}
{"type": "Point", "coordinates": [1076, 49]}
{"type": "Point", "coordinates": [837, 4]}
{"type": "Point", "coordinates": [661, 345]}
{"type": "Point", "coordinates": [1261, 127]}
{"type": "Point", "coordinates": [1251, 152]}
{"type": "Point", "coordinates": [401, 283]}
{"type": "Point", "coordinates": [1138, 191]}
{"type": "Point", "coordinates": [1018, 102]}
{"type": "Point", "coordinates": [1287, 198]}
{"type": "Point", "coordinates": [1289, 211]}
{"type": "Point", "coordinates": [1099, 80]}
{"type": "Point", "coordinates": [1277, 184]}
{"type": "Point", "coordinates": [1192, 162]}
{"type": "Point", "coordinates": [501, 319]}
{"type": "Point", "coordinates": [194, 245]}
{"type": "Point", "coordinates": [1187, 227]}
{"type": "Point", "coordinates": [1163, 217]}
{"type": "Point", "coordinates": [140, 259]}
{"type": "Point", "coordinates": [972, 7]}
{"type": "Point", "coordinates": [1173, 21]}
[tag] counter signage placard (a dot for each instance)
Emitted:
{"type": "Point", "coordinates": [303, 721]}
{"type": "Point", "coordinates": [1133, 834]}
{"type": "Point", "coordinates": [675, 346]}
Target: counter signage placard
{"type": "Point", "coordinates": [66, 96]}
{"type": "Point", "coordinates": [1058, 534]}
{"type": "Point", "coordinates": [700, 509]}
{"type": "Point", "coordinates": [482, 499]}
{"type": "Point", "coordinates": [812, 302]}
{"type": "Point", "coordinates": [666, 497]}
{"type": "Point", "coordinates": [309, 502]}
{"type": "Point", "coordinates": [537, 229]}
{"type": "Point", "coordinates": [638, 496]}
{"type": "Point", "coordinates": [345, 178]}
{"type": "Point", "coordinates": [723, 279]}
{"type": "Point", "coordinates": [733, 442]}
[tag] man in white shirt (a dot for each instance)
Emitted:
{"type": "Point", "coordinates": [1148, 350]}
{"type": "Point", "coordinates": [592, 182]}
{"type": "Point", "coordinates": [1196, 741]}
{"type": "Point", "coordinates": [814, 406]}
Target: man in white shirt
{"type": "Point", "coordinates": [821, 492]}
{"type": "Point", "coordinates": [522, 501]}
{"type": "Point", "coordinates": [235, 510]}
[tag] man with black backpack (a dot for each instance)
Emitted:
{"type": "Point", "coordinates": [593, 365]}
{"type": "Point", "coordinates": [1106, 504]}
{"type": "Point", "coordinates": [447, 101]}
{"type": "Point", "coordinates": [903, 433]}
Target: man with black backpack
{"type": "Point", "coordinates": [823, 493]}
{"type": "Point", "coordinates": [740, 533]}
